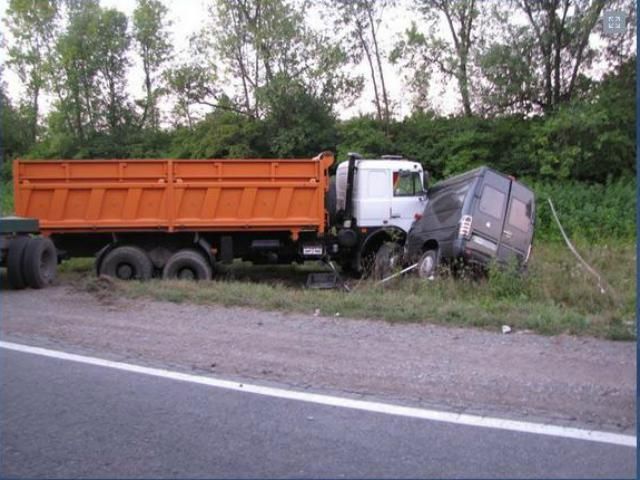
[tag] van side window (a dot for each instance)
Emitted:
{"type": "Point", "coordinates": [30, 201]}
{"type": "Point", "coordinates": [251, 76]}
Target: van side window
{"type": "Point", "coordinates": [519, 215]}
{"type": "Point", "coordinates": [406, 184]}
{"type": "Point", "coordinates": [492, 202]}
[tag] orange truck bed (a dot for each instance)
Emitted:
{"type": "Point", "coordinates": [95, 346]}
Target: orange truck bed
{"type": "Point", "coordinates": [173, 195]}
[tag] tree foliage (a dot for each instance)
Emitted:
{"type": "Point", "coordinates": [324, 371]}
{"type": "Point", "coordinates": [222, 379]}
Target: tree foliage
{"type": "Point", "coordinates": [425, 53]}
{"type": "Point", "coordinates": [33, 26]}
{"type": "Point", "coordinates": [361, 19]}
{"type": "Point", "coordinates": [264, 83]}
{"type": "Point", "coordinates": [152, 41]}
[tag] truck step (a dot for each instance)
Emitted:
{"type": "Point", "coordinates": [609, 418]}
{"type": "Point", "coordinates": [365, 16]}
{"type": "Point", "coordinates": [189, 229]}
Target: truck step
{"type": "Point", "coordinates": [322, 280]}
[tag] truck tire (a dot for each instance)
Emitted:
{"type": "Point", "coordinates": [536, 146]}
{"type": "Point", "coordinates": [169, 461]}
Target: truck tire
{"type": "Point", "coordinates": [187, 264]}
{"type": "Point", "coordinates": [428, 265]}
{"type": "Point", "coordinates": [17, 247]}
{"type": "Point", "coordinates": [388, 258]}
{"type": "Point", "coordinates": [127, 263]}
{"type": "Point", "coordinates": [40, 262]}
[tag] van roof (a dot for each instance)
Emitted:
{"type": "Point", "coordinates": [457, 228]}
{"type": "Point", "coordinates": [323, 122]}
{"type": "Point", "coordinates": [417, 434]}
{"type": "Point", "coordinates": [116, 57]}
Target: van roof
{"type": "Point", "coordinates": [476, 172]}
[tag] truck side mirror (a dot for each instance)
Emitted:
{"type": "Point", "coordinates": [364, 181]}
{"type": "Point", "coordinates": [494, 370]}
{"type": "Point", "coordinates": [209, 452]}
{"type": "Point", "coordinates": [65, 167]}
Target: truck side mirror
{"type": "Point", "coordinates": [425, 181]}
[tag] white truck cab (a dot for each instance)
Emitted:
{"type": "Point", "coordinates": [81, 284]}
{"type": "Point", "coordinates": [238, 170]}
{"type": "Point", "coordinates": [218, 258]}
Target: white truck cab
{"type": "Point", "coordinates": [387, 192]}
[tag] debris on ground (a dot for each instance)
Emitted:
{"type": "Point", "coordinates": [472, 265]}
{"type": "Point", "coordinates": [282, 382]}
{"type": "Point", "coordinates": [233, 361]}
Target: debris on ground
{"type": "Point", "coordinates": [506, 329]}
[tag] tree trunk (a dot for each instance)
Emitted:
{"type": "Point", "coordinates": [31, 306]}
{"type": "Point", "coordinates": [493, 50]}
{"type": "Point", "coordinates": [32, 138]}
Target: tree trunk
{"type": "Point", "coordinates": [36, 108]}
{"type": "Point", "coordinates": [365, 47]}
{"type": "Point", "coordinates": [380, 72]}
{"type": "Point", "coordinates": [463, 85]}
{"type": "Point", "coordinates": [147, 84]}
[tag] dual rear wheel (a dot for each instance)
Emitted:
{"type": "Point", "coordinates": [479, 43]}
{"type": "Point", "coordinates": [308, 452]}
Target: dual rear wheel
{"type": "Point", "coordinates": [32, 262]}
{"type": "Point", "coordinates": [129, 262]}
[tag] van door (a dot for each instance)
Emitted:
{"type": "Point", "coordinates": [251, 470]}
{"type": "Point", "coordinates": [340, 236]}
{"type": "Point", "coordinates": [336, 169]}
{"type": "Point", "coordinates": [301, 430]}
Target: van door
{"type": "Point", "coordinates": [489, 210]}
{"type": "Point", "coordinates": [517, 233]}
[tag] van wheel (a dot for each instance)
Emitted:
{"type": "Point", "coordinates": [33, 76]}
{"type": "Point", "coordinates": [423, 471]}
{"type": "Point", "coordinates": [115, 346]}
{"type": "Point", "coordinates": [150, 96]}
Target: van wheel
{"type": "Point", "coordinates": [127, 263]}
{"type": "Point", "coordinates": [428, 265]}
{"type": "Point", "coordinates": [17, 247]}
{"type": "Point", "coordinates": [40, 262]}
{"type": "Point", "coordinates": [187, 264]}
{"type": "Point", "coordinates": [387, 260]}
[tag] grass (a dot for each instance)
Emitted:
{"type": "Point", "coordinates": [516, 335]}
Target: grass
{"type": "Point", "coordinates": [555, 296]}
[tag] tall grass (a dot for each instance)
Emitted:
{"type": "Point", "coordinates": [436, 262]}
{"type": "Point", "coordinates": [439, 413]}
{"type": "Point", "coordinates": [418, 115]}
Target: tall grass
{"type": "Point", "coordinates": [597, 213]}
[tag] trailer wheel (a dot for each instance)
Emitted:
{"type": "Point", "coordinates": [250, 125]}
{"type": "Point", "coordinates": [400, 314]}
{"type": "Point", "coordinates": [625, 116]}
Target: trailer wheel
{"type": "Point", "coordinates": [15, 274]}
{"type": "Point", "coordinates": [388, 258]}
{"type": "Point", "coordinates": [428, 265]}
{"type": "Point", "coordinates": [187, 264]}
{"type": "Point", "coordinates": [40, 262]}
{"type": "Point", "coordinates": [127, 263]}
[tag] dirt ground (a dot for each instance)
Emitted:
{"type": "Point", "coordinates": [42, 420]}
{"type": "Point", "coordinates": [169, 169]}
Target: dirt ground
{"type": "Point", "coordinates": [565, 380]}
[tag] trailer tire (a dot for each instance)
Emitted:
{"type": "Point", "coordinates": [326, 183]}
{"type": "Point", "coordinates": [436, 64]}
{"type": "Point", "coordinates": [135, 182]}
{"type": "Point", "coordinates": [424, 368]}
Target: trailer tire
{"type": "Point", "coordinates": [388, 258]}
{"type": "Point", "coordinates": [17, 247]}
{"type": "Point", "coordinates": [127, 263]}
{"type": "Point", "coordinates": [187, 264]}
{"type": "Point", "coordinates": [40, 262]}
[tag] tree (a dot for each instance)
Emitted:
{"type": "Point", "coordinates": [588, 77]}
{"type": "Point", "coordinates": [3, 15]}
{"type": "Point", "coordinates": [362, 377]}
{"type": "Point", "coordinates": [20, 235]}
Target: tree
{"type": "Point", "coordinates": [33, 26]}
{"type": "Point", "coordinates": [261, 41]}
{"type": "Point", "coordinates": [424, 53]}
{"type": "Point", "coordinates": [152, 39]}
{"type": "Point", "coordinates": [88, 71]}
{"type": "Point", "coordinates": [113, 41]}
{"type": "Point", "coordinates": [298, 123]}
{"type": "Point", "coordinates": [543, 64]}
{"type": "Point", "coordinates": [592, 138]}
{"type": "Point", "coordinates": [15, 130]}
{"type": "Point", "coordinates": [362, 19]}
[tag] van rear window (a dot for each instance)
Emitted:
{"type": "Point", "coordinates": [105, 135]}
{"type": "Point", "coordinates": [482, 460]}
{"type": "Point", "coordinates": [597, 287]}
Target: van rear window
{"type": "Point", "coordinates": [492, 202]}
{"type": "Point", "coordinates": [518, 215]}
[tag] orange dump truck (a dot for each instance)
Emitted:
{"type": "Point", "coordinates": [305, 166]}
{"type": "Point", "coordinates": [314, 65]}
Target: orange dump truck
{"type": "Point", "coordinates": [177, 218]}
{"type": "Point", "coordinates": [142, 217]}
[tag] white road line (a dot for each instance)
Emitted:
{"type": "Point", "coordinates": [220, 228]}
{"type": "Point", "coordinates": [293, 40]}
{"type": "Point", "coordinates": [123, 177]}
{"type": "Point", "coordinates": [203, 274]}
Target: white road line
{"type": "Point", "coordinates": [435, 415]}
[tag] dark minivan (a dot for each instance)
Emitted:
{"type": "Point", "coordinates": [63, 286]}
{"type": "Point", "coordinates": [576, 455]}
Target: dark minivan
{"type": "Point", "coordinates": [478, 216]}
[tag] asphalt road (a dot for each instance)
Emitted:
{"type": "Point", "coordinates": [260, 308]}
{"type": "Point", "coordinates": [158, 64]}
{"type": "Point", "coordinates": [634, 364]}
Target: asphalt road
{"type": "Point", "coordinates": [65, 419]}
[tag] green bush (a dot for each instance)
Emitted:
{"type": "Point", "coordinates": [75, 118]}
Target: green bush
{"type": "Point", "coordinates": [595, 213]}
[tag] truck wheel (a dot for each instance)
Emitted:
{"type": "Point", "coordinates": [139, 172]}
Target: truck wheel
{"type": "Point", "coordinates": [187, 264]}
{"type": "Point", "coordinates": [39, 262]}
{"type": "Point", "coordinates": [428, 265]}
{"type": "Point", "coordinates": [15, 274]}
{"type": "Point", "coordinates": [388, 259]}
{"type": "Point", "coordinates": [127, 263]}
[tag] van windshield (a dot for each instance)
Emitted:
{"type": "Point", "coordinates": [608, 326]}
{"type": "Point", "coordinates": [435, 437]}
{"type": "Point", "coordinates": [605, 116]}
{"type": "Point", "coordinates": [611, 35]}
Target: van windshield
{"type": "Point", "coordinates": [448, 200]}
